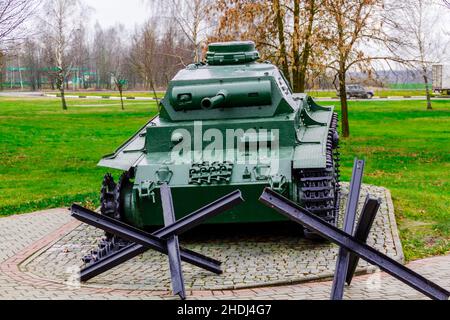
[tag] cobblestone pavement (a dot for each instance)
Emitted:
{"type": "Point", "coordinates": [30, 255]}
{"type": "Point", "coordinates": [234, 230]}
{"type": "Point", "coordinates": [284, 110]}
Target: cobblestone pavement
{"type": "Point", "coordinates": [25, 239]}
{"type": "Point", "coordinates": [253, 256]}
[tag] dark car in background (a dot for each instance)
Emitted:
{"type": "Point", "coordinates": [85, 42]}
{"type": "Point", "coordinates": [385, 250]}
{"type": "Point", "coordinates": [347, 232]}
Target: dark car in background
{"type": "Point", "coordinates": [358, 91]}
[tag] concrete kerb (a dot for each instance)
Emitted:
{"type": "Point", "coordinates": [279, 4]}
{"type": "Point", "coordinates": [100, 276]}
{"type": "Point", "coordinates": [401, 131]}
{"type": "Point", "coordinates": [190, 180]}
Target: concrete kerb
{"type": "Point", "coordinates": [394, 227]}
{"type": "Point", "coordinates": [101, 97]}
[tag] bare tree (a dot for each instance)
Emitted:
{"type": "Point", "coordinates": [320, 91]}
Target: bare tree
{"type": "Point", "coordinates": [306, 21]}
{"type": "Point", "coordinates": [349, 24]}
{"type": "Point", "coordinates": [106, 44]}
{"type": "Point", "coordinates": [143, 55]}
{"type": "Point", "coordinates": [254, 20]}
{"type": "Point", "coordinates": [171, 55]}
{"type": "Point", "coordinates": [423, 43]}
{"type": "Point", "coordinates": [13, 14]}
{"type": "Point", "coordinates": [191, 17]}
{"type": "Point", "coordinates": [107, 60]}
{"type": "Point", "coordinates": [120, 83]}
{"type": "Point", "coordinates": [118, 62]}
{"type": "Point", "coordinates": [279, 13]}
{"type": "Point", "coordinates": [283, 30]}
{"type": "Point", "coordinates": [60, 22]}
{"type": "Point", "coordinates": [31, 60]}
{"type": "Point", "coordinates": [79, 55]}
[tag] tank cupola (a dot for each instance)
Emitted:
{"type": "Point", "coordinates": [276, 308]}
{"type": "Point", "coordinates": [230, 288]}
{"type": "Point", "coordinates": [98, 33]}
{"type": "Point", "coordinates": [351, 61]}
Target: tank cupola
{"type": "Point", "coordinates": [235, 52]}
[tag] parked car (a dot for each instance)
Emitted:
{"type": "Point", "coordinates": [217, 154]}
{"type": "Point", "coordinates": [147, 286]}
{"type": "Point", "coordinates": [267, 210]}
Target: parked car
{"type": "Point", "coordinates": [358, 91]}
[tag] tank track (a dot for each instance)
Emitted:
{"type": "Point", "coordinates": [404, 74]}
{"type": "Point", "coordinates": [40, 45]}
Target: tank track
{"type": "Point", "coordinates": [111, 207]}
{"type": "Point", "coordinates": [319, 189]}
{"type": "Point", "coordinates": [105, 248]}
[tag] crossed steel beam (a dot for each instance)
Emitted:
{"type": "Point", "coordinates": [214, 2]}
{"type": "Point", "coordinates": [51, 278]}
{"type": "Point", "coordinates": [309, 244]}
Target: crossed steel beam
{"type": "Point", "coordinates": [164, 240]}
{"type": "Point", "coordinates": [343, 260]}
{"type": "Point", "coordinates": [368, 214]}
{"type": "Point", "coordinates": [353, 243]}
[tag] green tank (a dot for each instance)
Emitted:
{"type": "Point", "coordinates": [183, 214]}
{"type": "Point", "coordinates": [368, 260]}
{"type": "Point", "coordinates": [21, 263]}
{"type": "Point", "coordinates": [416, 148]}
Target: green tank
{"type": "Point", "coordinates": [229, 123]}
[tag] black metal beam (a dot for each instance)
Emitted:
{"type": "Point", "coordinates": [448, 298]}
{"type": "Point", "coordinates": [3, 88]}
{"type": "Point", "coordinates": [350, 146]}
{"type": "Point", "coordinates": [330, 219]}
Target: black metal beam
{"type": "Point", "coordinates": [342, 262]}
{"type": "Point", "coordinates": [366, 220]}
{"type": "Point", "coordinates": [196, 218]}
{"type": "Point", "coordinates": [173, 245]}
{"type": "Point", "coordinates": [300, 215]}
{"type": "Point", "coordinates": [177, 228]}
{"type": "Point", "coordinates": [133, 250]}
{"type": "Point", "coordinates": [144, 242]}
{"type": "Point", "coordinates": [353, 196]}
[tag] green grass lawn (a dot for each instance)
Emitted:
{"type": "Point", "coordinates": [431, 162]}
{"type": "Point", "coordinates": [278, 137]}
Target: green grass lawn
{"type": "Point", "coordinates": [378, 93]}
{"type": "Point", "coordinates": [317, 94]}
{"type": "Point", "coordinates": [408, 151]}
{"type": "Point", "coordinates": [48, 157]}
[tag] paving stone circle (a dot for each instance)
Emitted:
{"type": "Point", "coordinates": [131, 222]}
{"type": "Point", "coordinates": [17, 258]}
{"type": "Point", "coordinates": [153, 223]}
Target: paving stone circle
{"type": "Point", "coordinates": [252, 256]}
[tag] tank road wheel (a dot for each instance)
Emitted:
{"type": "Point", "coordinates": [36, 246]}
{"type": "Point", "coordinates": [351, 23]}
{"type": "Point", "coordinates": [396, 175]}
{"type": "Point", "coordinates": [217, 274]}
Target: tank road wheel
{"type": "Point", "coordinates": [319, 189]}
{"type": "Point", "coordinates": [124, 180]}
{"type": "Point", "coordinates": [110, 199]}
{"type": "Point", "coordinates": [107, 196]}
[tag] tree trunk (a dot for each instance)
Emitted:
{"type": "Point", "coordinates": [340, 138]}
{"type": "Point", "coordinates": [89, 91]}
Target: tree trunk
{"type": "Point", "coordinates": [427, 88]}
{"type": "Point", "coordinates": [344, 105]}
{"type": "Point", "coordinates": [296, 48]}
{"type": "Point", "coordinates": [155, 95]}
{"type": "Point", "coordinates": [307, 48]}
{"type": "Point", "coordinates": [61, 84]}
{"type": "Point", "coordinates": [1, 70]}
{"type": "Point", "coordinates": [121, 97]}
{"type": "Point", "coordinates": [280, 26]}
{"type": "Point", "coordinates": [63, 98]}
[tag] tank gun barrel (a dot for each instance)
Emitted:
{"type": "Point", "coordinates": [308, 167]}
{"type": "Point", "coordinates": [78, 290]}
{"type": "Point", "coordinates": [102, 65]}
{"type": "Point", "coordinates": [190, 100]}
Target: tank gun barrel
{"type": "Point", "coordinates": [216, 101]}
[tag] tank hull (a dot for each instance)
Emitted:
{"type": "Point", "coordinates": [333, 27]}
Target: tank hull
{"type": "Point", "coordinates": [296, 148]}
{"type": "Point", "coordinates": [147, 213]}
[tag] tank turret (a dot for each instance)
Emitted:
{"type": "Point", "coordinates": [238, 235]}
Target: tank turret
{"type": "Point", "coordinates": [232, 81]}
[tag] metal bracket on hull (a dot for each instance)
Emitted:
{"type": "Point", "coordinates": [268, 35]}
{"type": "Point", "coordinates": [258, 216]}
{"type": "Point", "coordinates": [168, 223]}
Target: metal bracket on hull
{"type": "Point", "coordinates": [309, 121]}
{"type": "Point", "coordinates": [313, 106]}
{"type": "Point", "coordinates": [352, 247]}
{"type": "Point", "coordinates": [210, 173]}
{"type": "Point", "coordinates": [164, 240]}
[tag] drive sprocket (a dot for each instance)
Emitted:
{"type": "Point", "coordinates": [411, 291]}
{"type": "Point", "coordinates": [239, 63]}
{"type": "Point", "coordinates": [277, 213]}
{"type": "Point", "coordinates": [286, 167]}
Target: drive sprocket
{"type": "Point", "coordinates": [110, 199]}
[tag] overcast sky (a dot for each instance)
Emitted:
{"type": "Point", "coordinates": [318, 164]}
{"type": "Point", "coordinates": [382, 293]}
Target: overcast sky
{"type": "Point", "coordinates": [127, 12]}
{"type": "Point", "coordinates": [132, 12]}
